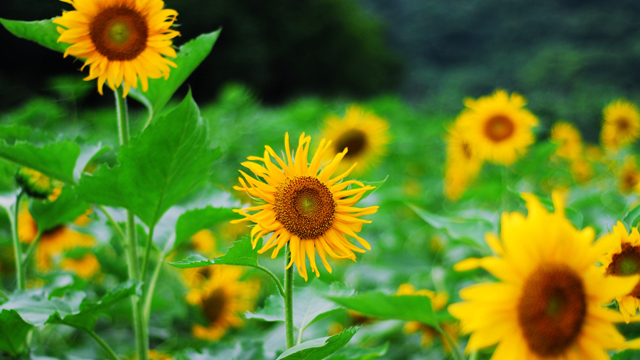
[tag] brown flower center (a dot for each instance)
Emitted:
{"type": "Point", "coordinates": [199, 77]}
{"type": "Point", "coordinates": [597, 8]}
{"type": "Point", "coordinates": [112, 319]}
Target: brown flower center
{"type": "Point", "coordinates": [630, 180]}
{"type": "Point", "coordinates": [552, 309]}
{"type": "Point", "coordinates": [119, 33]}
{"type": "Point", "coordinates": [52, 233]}
{"type": "Point", "coordinates": [499, 128]}
{"type": "Point", "coordinates": [622, 124]}
{"type": "Point", "coordinates": [626, 263]}
{"type": "Point", "coordinates": [214, 304]}
{"type": "Point", "coordinates": [305, 207]}
{"type": "Point", "coordinates": [355, 140]}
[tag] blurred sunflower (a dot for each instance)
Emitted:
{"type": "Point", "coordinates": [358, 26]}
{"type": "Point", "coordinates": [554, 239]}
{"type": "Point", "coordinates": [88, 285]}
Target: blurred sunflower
{"type": "Point", "coordinates": [621, 125]}
{"type": "Point", "coordinates": [438, 302]}
{"type": "Point", "coordinates": [547, 303]}
{"type": "Point", "coordinates": [122, 40]}
{"type": "Point", "coordinates": [363, 133]}
{"type": "Point", "coordinates": [52, 242]}
{"type": "Point", "coordinates": [628, 175]}
{"type": "Point", "coordinates": [204, 242]}
{"type": "Point", "coordinates": [37, 185]}
{"type": "Point", "coordinates": [87, 266]}
{"type": "Point", "coordinates": [568, 139]}
{"type": "Point", "coordinates": [593, 153]}
{"type": "Point", "coordinates": [154, 355]}
{"type": "Point", "coordinates": [623, 259]}
{"type": "Point", "coordinates": [222, 297]}
{"type": "Point", "coordinates": [462, 164]}
{"type": "Point", "coordinates": [304, 207]}
{"type": "Point", "coordinates": [499, 127]}
{"type": "Point", "coordinates": [581, 170]}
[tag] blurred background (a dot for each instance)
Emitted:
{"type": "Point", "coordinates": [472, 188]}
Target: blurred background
{"type": "Point", "coordinates": [568, 57]}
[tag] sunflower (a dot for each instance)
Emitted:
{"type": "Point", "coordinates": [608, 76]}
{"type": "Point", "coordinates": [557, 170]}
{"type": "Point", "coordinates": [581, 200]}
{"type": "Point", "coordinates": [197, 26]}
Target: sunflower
{"type": "Point", "coordinates": [623, 259]}
{"type": "Point", "coordinates": [581, 170]}
{"type": "Point", "coordinates": [52, 243]}
{"type": "Point", "coordinates": [621, 125]}
{"type": "Point", "coordinates": [222, 297]}
{"type": "Point", "coordinates": [629, 175]}
{"type": "Point", "coordinates": [204, 242]}
{"type": "Point", "coordinates": [304, 206]}
{"type": "Point", "coordinates": [121, 40]}
{"type": "Point", "coordinates": [153, 355]}
{"type": "Point", "coordinates": [547, 303]}
{"type": "Point", "coordinates": [568, 139]}
{"type": "Point", "coordinates": [37, 185]}
{"type": "Point", "coordinates": [499, 127]}
{"type": "Point", "coordinates": [462, 164]}
{"type": "Point", "coordinates": [86, 266]}
{"type": "Point", "coordinates": [362, 132]}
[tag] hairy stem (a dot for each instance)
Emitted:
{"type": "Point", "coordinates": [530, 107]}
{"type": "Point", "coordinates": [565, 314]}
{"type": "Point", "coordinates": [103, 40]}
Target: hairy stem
{"type": "Point", "coordinates": [288, 298]}
{"type": "Point", "coordinates": [274, 278]}
{"type": "Point", "coordinates": [17, 247]}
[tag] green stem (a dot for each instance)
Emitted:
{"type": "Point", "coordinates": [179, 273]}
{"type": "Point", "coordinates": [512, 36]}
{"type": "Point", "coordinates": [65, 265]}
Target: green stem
{"type": "Point", "coordinates": [105, 346]}
{"type": "Point", "coordinates": [114, 223]}
{"type": "Point", "coordinates": [152, 287]}
{"type": "Point", "coordinates": [147, 251]}
{"type": "Point", "coordinates": [455, 351]}
{"type": "Point", "coordinates": [17, 247]}
{"type": "Point", "coordinates": [300, 333]}
{"type": "Point", "coordinates": [288, 298]}
{"type": "Point", "coordinates": [274, 278]}
{"type": "Point", "coordinates": [139, 325]}
{"type": "Point", "coordinates": [505, 188]}
{"type": "Point", "coordinates": [30, 250]}
{"type": "Point", "coordinates": [473, 356]}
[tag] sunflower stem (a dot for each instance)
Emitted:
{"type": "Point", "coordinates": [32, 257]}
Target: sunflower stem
{"type": "Point", "coordinates": [147, 251]}
{"type": "Point", "coordinates": [505, 188]}
{"type": "Point", "coordinates": [30, 250]}
{"type": "Point", "coordinates": [103, 344]}
{"type": "Point", "coordinates": [139, 325]}
{"type": "Point", "coordinates": [151, 289]}
{"type": "Point", "coordinates": [288, 298]}
{"type": "Point", "coordinates": [114, 223]}
{"type": "Point", "coordinates": [17, 247]}
{"type": "Point", "coordinates": [274, 278]}
{"type": "Point", "coordinates": [455, 351]}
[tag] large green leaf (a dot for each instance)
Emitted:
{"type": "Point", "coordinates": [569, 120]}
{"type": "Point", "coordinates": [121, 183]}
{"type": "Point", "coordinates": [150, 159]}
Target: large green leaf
{"type": "Point", "coordinates": [13, 332]}
{"type": "Point", "coordinates": [190, 55]}
{"type": "Point", "coordinates": [474, 229]}
{"type": "Point", "coordinates": [103, 187]}
{"type": "Point", "coordinates": [56, 160]}
{"type": "Point", "coordinates": [241, 253]}
{"type": "Point", "coordinates": [319, 349]}
{"type": "Point", "coordinates": [195, 220]}
{"type": "Point", "coordinates": [43, 32]}
{"type": "Point", "coordinates": [383, 306]}
{"type": "Point", "coordinates": [353, 353]}
{"type": "Point", "coordinates": [35, 308]}
{"type": "Point", "coordinates": [243, 350]}
{"type": "Point", "coordinates": [65, 209]}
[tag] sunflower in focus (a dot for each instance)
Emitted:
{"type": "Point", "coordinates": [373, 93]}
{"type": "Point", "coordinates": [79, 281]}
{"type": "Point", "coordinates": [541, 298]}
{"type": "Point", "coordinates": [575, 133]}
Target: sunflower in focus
{"type": "Point", "coordinates": [462, 165]}
{"type": "Point", "coordinates": [547, 303]}
{"type": "Point", "coordinates": [303, 206]}
{"type": "Point", "coordinates": [222, 297]}
{"type": "Point", "coordinates": [363, 133]}
{"type": "Point", "coordinates": [499, 127]}
{"type": "Point", "coordinates": [623, 259]}
{"type": "Point", "coordinates": [87, 266]}
{"type": "Point", "coordinates": [121, 40]}
{"type": "Point", "coordinates": [621, 125]}
{"type": "Point", "coordinates": [568, 139]}
{"type": "Point", "coordinates": [37, 185]}
{"type": "Point", "coordinates": [629, 175]}
{"type": "Point", "coordinates": [52, 242]}
{"type": "Point", "coordinates": [438, 302]}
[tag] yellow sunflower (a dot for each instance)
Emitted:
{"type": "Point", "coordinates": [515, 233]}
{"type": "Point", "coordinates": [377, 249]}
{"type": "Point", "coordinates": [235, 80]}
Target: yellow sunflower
{"type": "Point", "coordinates": [52, 242]}
{"type": "Point", "coordinates": [154, 355]}
{"type": "Point", "coordinates": [623, 259]}
{"type": "Point", "coordinates": [629, 175]}
{"type": "Point", "coordinates": [362, 132]}
{"type": "Point", "coordinates": [222, 297]}
{"type": "Point", "coordinates": [303, 206]}
{"type": "Point", "coordinates": [438, 302]}
{"type": "Point", "coordinates": [37, 185]}
{"type": "Point", "coordinates": [581, 170]}
{"type": "Point", "coordinates": [547, 304]}
{"type": "Point", "coordinates": [204, 242]}
{"type": "Point", "coordinates": [499, 127]}
{"type": "Point", "coordinates": [462, 164]}
{"type": "Point", "coordinates": [568, 139]}
{"type": "Point", "coordinates": [621, 125]}
{"type": "Point", "coordinates": [87, 267]}
{"type": "Point", "coordinates": [121, 40]}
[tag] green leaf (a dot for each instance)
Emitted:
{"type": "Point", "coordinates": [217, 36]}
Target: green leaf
{"type": "Point", "coordinates": [244, 350]}
{"type": "Point", "coordinates": [474, 229]}
{"type": "Point", "coordinates": [383, 306]}
{"type": "Point", "coordinates": [56, 160]}
{"type": "Point", "coordinates": [241, 254]}
{"type": "Point", "coordinates": [88, 153]}
{"type": "Point", "coordinates": [195, 220]}
{"type": "Point", "coordinates": [35, 308]}
{"type": "Point", "coordinates": [43, 32]}
{"type": "Point", "coordinates": [190, 55]}
{"type": "Point", "coordinates": [65, 209]}
{"type": "Point", "coordinates": [353, 353]}
{"type": "Point", "coordinates": [632, 217]}
{"type": "Point", "coordinates": [13, 332]}
{"type": "Point", "coordinates": [272, 311]}
{"type": "Point", "coordinates": [319, 349]}
{"type": "Point", "coordinates": [103, 187]}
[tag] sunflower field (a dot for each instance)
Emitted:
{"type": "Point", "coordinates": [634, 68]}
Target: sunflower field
{"type": "Point", "coordinates": [160, 228]}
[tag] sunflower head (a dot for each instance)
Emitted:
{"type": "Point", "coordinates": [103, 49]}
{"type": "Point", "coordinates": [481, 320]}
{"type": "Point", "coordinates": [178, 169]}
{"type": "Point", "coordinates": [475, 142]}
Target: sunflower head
{"type": "Point", "coordinates": [568, 139]}
{"type": "Point", "coordinates": [629, 175]}
{"type": "Point", "coordinates": [85, 266]}
{"type": "Point", "coordinates": [121, 40]}
{"type": "Point", "coordinates": [581, 170]}
{"type": "Point", "coordinates": [37, 185]}
{"type": "Point", "coordinates": [304, 205]}
{"type": "Point", "coordinates": [498, 126]}
{"type": "Point", "coordinates": [621, 125]}
{"type": "Point", "coordinates": [463, 163]}
{"type": "Point", "coordinates": [548, 303]}
{"type": "Point", "coordinates": [362, 132]}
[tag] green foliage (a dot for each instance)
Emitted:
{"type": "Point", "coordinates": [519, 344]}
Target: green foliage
{"type": "Point", "coordinates": [43, 32]}
{"type": "Point", "coordinates": [67, 207]}
{"type": "Point", "coordinates": [360, 354]}
{"type": "Point", "coordinates": [13, 332]}
{"type": "Point", "coordinates": [195, 220]}
{"type": "Point", "coordinates": [241, 254]}
{"type": "Point", "coordinates": [56, 160]}
{"type": "Point", "coordinates": [319, 349]}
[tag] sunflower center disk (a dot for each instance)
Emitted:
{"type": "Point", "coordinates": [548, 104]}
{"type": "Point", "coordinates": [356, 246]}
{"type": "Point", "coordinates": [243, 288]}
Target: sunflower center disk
{"type": "Point", "coordinates": [552, 310]}
{"type": "Point", "coordinates": [119, 33]}
{"type": "Point", "coordinates": [305, 207]}
{"type": "Point", "coordinates": [622, 124]}
{"type": "Point", "coordinates": [626, 263]}
{"type": "Point", "coordinates": [499, 128]}
{"type": "Point", "coordinates": [213, 305]}
{"type": "Point", "coordinates": [355, 140]}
